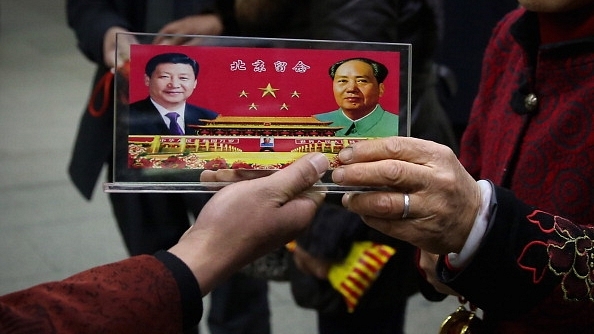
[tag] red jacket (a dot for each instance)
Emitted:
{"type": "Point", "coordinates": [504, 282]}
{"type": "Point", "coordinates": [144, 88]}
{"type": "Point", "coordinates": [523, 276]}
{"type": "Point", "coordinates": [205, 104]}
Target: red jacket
{"type": "Point", "coordinates": [534, 271]}
{"type": "Point", "coordinates": [143, 294]}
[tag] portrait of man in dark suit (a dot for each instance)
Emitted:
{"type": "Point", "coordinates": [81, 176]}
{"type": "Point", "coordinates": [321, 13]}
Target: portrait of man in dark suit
{"type": "Point", "coordinates": [171, 79]}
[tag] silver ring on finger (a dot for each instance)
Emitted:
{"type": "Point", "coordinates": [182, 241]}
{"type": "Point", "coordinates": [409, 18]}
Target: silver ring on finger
{"type": "Point", "coordinates": [406, 208]}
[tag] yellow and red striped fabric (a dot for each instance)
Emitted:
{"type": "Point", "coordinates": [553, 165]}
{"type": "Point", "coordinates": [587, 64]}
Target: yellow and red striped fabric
{"type": "Point", "coordinates": [353, 277]}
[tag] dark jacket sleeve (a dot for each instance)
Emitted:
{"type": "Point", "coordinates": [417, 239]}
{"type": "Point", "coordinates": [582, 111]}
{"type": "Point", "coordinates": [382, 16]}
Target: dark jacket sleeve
{"type": "Point", "coordinates": [90, 19]}
{"type": "Point", "coordinates": [527, 256]}
{"type": "Point", "coordinates": [137, 295]}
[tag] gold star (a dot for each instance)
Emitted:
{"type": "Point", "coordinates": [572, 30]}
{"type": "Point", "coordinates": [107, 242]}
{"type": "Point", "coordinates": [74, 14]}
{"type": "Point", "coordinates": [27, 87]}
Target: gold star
{"type": "Point", "coordinates": [243, 94]}
{"type": "Point", "coordinates": [284, 106]}
{"type": "Point", "coordinates": [295, 94]}
{"type": "Point", "coordinates": [268, 90]}
{"type": "Point", "coordinates": [253, 106]}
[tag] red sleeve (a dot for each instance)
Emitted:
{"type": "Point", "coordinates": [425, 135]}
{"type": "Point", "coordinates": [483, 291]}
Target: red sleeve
{"type": "Point", "coordinates": [136, 295]}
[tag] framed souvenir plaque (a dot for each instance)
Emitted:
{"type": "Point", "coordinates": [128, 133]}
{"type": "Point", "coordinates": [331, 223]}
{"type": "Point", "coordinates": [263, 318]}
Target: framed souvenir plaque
{"type": "Point", "coordinates": [249, 103]}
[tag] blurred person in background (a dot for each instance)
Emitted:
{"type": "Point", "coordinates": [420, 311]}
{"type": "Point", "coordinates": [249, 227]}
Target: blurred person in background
{"type": "Point", "coordinates": [467, 27]}
{"type": "Point", "coordinates": [335, 231]}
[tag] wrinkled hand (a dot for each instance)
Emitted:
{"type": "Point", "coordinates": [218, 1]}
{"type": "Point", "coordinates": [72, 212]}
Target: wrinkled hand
{"type": "Point", "coordinates": [248, 219]}
{"type": "Point", "coordinates": [444, 198]}
{"type": "Point", "coordinates": [121, 45]}
{"type": "Point", "coordinates": [428, 263]}
{"type": "Point", "coordinates": [205, 24]}
{"type": "Point", "coordinates": [311, 265]}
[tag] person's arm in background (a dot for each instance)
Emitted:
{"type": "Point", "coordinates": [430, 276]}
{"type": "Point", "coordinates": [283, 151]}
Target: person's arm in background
{"type": "Point", "coordinates": [91, 21]}
{"type": "Point", "coordinates": [96, 24]}
{"type": "Point", "coordinates": [162, 293]}
{"type": "Point", "coordinates": [210, 18]}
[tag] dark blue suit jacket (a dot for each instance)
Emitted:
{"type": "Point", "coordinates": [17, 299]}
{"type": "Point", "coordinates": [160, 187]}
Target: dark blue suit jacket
{"type": "Point", "coordinates": [145, 119]}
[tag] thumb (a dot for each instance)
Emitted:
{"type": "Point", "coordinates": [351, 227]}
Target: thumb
{"type": "Point", "coordinates": [300, 175]}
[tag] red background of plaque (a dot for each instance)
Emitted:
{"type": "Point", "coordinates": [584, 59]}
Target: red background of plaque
{"type": "Point", "coordinates": [219, 87]}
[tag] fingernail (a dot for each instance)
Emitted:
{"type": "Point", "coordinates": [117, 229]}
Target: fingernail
{"type": "Point", "coordinates": [346, 154]}
{"type": "Point", "coordinates": [345, 200]}
{"type": "Point", "coordinates": [338, 175]}
{"type": "Point", "coordinates": [320, 163]}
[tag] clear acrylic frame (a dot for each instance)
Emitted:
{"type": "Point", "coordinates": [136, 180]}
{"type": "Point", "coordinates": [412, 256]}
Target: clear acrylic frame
{"type": "Point", "coordinates": [265, 93]}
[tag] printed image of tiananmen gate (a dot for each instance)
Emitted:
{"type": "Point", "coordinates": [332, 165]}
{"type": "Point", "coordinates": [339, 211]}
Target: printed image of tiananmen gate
{"type": "Point", "coordinates": [237, 142]}
{"type": "Point", "coordinates": [265, 126]}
